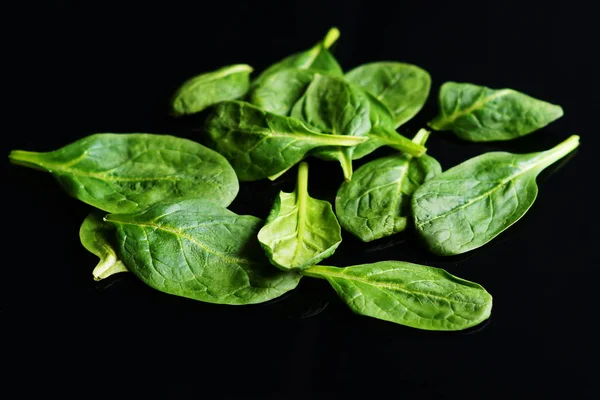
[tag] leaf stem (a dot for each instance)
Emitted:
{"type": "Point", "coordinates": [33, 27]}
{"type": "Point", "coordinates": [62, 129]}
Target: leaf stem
{"type": "Point", "coordinates": [26, 159]}
{"type": "Point", "coordinates": [107, 268]}
{"type": "Point", "coordinates": [331, 37]}
{"type": "Point", "coordinates": [549, 157]}
{"type": "Point", "coordinates": [346, 163]}
{"type": "Point", "coordinates": [404, 144]}
{"type": "Point", "coordinates": [421, 137]}
{"type": "Point", "coordinates": [316, 271]}
{"type": "Point", "coordinates": [339, 140]}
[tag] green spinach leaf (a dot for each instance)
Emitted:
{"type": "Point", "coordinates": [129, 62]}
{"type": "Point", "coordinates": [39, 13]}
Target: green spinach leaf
{"type": "Point", "coordinates": [317, 58]}
{"type": "Point", "coordinates": [200, 250]}
{"type": "Point", "coordinates": [332, 105]}
{"type": "Point", "coordinates": [300, 231]}
{"type": "Point", "coordinates": [128, 172]}
{"type": "Point", "coordinates": [409, 294]}
{"type": "Point", "coordinates": [97, 237]}
{"type": "Point", "coordinates": [202, 91]}
{"type": "Point", "coordinates": [376, 202]}
{"type": "Point", "coordinates": [281, 90]}
{"type": "Point", "coordinates": [402, 88]}
{"type": "Point", "coordinates": [471, 203]}
{"type": "Point", "coordinates": [481, 114]}
{"type": "Point", "coordinates": [259, 144]}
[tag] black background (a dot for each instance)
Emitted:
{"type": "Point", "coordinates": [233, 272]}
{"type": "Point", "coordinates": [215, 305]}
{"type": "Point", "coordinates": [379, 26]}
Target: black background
{"type": "Point", "coordinates": [87, 67]}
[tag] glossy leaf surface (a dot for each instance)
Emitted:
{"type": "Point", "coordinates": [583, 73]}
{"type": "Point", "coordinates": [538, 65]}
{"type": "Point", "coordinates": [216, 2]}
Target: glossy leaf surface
{"type": "Point", "coordinates": [403, 88]}
{"type": "Point", "coordinates": [470, 204]}
{"type": "Point", "coordinates": [480, 114]}
{"type": "Point", "coordinates": [128, 172]}
{"type": "Point", "coordinates": [376, 202]}
{"type": "Point", "coordinates": [202, 91]}
{"type": "Point", "coordinates": [300, 230]}
{"type": "Point", "coordinates": [98, 238]}
{"type": "Point", "coordinates": [200, 250]}
{"type": "Point", "coordinates": [259, 144]}
{"type": "Point", "coordinates": [409, 294]}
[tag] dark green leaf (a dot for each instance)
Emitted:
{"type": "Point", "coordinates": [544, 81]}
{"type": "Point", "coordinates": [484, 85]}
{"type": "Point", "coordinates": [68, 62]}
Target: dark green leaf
{"type": "Point", "coordinates": [409, 294]}
{"type": "Point", "coordinates": [202, 91]}
{"type": "Point", "coordinates": [376, 202]}
{"type": "Point", "coordinates": [97, 237]}
{"type": "Point", "coordinates": [481, 114]}
{"type": "Point", "coordinates": [200, 250]}
{"type": "Point", "coordinates": [281, 90]}
{"type": "Point", "coordinates": [402, 88]}
{"type": "Point", "coordinates": [300, 231]}
{"type": "Point", "coordinates": [317, 58]}
{"type": "Point", "coordinates": [259, 144]}
{"type": "Point", "coordinates": [470, 204]}
{"type": "Point", "coordinates": [128, 172]}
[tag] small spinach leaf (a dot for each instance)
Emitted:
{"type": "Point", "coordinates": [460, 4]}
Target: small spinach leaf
{"type": "Point", "coordinates": [332, 105]}
{"type": "Point", "coordinates": [300, 231]}
{"type": "Point", "coordinates": [97, 237]}
{"type": "Point", "coordinates": [481, 114]}
{"type": "Point", "coordinates": [317, 58]}
{"type": "Point", "coordinates": [409, 294]}
{"type": "Point", "coordinates": [128, 172]}
{"type": "Point", "coordinates": [376, 202]}
{"type": "Point", "coordinates": [473, 202]}
{"type": "Point", "coordinates": [202, 91]}
{"type": "Point", "coordinates": [200, 250]}
{"type": "Point", "coordinates": [281, 90]}
{"type": "Point", "coordinates": [259, 144]}
{"type": "Point", "coordinates": [403, 88]}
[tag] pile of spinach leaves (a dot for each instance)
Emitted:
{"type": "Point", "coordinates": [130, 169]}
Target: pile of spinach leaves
{"type": "Point", "coordinates": [160, 202]}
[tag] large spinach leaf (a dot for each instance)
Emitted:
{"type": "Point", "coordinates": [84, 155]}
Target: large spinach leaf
{"type": "Point", "coordinates": [409, 294]}
{"type": "Point", "coordinates": [317, 58]}
{"type": "Point", "coordinates": [200, 250]}
{"type": "Point", "coordinates": [129, 172]}
{"type": "Point", "coordinates": [332, 105]}
{"type": "Point", "coordinates": [471, 203]}
{"type": "Point", "coordinates": [202, 91]}
{"type": "Point", "coordinates": [481, 114]}
{"type": "Point", "coordinates": [98, 237]}
{"type": "Point", "coordinates": [376, 202]}
{"type": "Point", "coordinates": [300, 231]}
{"type": "Point", "coordinates": [403, 88]}
{"type": "Point", "coordinates": [259, 144]}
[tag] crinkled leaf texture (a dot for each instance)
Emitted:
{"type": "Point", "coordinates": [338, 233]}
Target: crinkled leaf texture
{"type": "Point", "coordinates": [480, 114]}
{"type": "Point", "coordinates": [470, 204]}
{"type": "Point", "coordinates": [119, 172]}
{"type": "Point", "coordinates": [409, 294]}
{"type": "Point", "coordinates": [199, 250]}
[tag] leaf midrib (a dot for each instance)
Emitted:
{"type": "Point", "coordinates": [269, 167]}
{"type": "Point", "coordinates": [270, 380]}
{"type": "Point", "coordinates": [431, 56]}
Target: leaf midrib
{"type": "Point", "coordinates": [475, 106]}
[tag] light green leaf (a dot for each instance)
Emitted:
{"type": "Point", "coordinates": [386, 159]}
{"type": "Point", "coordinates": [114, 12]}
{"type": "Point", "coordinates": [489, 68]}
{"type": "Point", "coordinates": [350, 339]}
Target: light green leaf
{"type": "Point", "coordinates": [472, 203]}
{"type": "Point", "coordinates": [481, 114]}
{"type": "Point", "coordinates": [300, 231]}
{"type": "Point", "coordinates": [97, 237]}
{"type": "Point", "coordinates": [409, 294]}
{"type": "Point", "coordinates": [202, 91]}
{"type": "Point", "coordinates": [376, 202]}
{"type": "Point", "coordinates": [200, 250]}
{"type": "Point", "coordinates": [128, 172]}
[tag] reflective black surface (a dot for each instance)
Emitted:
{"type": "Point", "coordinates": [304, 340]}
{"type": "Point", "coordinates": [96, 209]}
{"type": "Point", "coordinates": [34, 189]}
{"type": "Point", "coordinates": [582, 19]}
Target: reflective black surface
{"type": "Point", "coordinates": [92, 67]}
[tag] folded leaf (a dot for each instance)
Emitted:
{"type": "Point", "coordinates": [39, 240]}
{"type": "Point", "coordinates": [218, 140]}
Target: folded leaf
{"type": "Point", "coordinates": [409, 294]}
{"type": "Point", "coordinates": [300, 231]}
{"type": "Point", "coordinates": [468, 205]}
{"type": "Point", "coordinates": [200, 250]}
{"type": "Point", "coordinates": [128, 172]}
{"type": "Point", "coordinates": [481, 114]}
{"type": "Point", "coordinates": [202, 91]}
{"type": "Point", "coordinates": [98, 238]}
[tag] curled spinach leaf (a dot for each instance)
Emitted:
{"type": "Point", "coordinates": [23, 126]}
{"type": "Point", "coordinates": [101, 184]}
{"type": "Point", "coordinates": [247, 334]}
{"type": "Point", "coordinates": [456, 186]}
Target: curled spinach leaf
{"type": "Point", "coordinates": [259, 144]}
{"type": "Point", "coordinates": [481, 114]}
{"type": "Point", "coordinates": [202, 91]}
{"type": "Point", "coordinates": [97, 237]}
{"type": "Point", "coordinates": [402, 88]}
{"type": "Point", "coordinates": [281, 90]}
{"type": "Point", "coordinates": [199, 250]}
{"type": "Point", "coordinates": [409, 294]}
{"type": "Point", "coordinates": [470, 204]}
{"type": "Point", "coordinates": [332, 105]}
{"type": "Point", "coordinates": [300, 231]}
{"type": "Point", "coordinates": [128, 172]}
{"type": "Point", "coordinates": [376, 202]}
{"type": "Point", "coordinates": [317, 58]}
